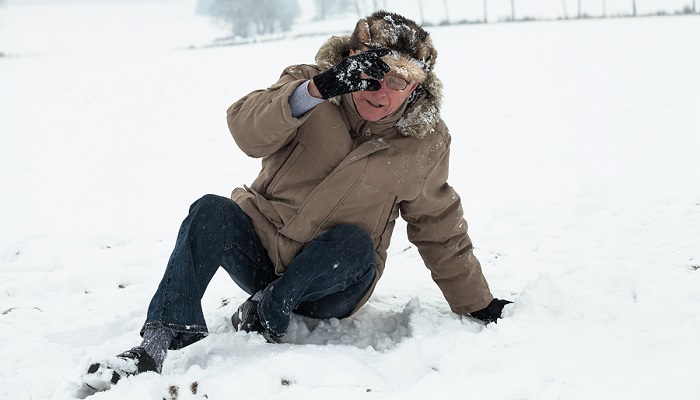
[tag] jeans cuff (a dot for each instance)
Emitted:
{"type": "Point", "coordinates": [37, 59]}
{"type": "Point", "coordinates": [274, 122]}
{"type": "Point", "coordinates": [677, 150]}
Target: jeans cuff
{"type": "Point", "coordinates": [264, 317]}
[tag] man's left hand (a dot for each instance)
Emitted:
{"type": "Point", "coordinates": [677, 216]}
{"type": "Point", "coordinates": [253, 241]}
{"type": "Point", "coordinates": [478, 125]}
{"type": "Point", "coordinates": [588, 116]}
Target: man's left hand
{"type": "Point", "coordinates": [492, 312]}
{"type": "Point", "coordinates": [347, 76]}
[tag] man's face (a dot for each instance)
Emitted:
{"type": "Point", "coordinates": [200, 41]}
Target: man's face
{"type": "Point", "coordinates": [373, 106]}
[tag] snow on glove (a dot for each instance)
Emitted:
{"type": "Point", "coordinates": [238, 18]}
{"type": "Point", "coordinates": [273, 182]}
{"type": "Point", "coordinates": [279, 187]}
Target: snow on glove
{"type": "Point", "coordinates": [346, 76]}
{"type": "Point", "coordinates": [492, 312]}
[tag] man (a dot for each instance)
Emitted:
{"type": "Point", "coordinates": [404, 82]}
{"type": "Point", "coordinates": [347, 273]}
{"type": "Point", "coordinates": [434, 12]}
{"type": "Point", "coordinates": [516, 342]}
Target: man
{"type": "Point", "coordinates": [347, 146]}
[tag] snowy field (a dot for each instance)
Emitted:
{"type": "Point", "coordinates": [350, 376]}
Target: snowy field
{"type": "Point", "coordinates": [576, 149]}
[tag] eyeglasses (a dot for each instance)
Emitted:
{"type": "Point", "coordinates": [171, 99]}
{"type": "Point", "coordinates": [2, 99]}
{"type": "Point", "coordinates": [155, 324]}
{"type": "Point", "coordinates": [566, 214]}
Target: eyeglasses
{"type": "Point", "coordinates": [395, 82]}
{"type": "Point", "coordinates": [392, 81]}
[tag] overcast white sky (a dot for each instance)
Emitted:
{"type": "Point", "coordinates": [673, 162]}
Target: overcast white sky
{"type": "Point", "coordinates": [528, 7]}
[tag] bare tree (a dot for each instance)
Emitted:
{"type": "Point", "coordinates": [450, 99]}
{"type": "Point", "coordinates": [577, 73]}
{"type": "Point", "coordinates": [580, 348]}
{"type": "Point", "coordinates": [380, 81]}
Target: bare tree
{"type": "Point", "coordinates": [566, 13]}
{"type": "Point", "coordinates": [249, 17]}
{"type": "Point", "coordinates": [420, 11]}
{"type": "Point", "coordinates": [486, 8]}
{"type": "Point", "coordinates": [322, 9]}
{"type": "Point", "coordinates": [512, 10]}
{"type": "Point", "coordinates": [232, 14]}
{"type": "Point", "coordinates": [605, 12]}
{"type": "Point", "coordinates": [326, 8]}
{"type": "Point", "coordinates": [359, 9]}
{"type": "Point", "coordinates": [379, 5]}
{"type": "Point", "coordinates": [204, 7]}
{"type": "Point", "coordinates": [447, 13]}
{"type": "Point", "coordinates": [579, 9]}
{"type": "Point", "coordinates": [634, 7]}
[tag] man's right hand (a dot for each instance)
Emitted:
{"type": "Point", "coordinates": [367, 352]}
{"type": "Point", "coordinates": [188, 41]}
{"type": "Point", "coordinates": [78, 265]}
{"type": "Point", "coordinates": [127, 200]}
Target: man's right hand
{"type": "Point", "coordinates": [346, 76]}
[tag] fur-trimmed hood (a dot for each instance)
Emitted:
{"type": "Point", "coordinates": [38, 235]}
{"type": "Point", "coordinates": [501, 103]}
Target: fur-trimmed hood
{"type": "Point", "coordinates": [423, 110]}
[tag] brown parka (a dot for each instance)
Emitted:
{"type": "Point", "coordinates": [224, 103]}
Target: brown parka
{"type": "Point", "coordinates": [330, 167]}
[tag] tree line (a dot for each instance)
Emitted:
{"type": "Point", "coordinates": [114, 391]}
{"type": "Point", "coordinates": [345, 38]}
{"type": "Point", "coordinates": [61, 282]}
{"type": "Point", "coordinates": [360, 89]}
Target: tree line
{"type": "Point", "coordinates": [248, 18]}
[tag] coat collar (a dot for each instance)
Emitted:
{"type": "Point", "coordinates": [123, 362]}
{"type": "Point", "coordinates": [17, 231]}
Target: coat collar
{"type": "Point", "coordinates": [421, 113]}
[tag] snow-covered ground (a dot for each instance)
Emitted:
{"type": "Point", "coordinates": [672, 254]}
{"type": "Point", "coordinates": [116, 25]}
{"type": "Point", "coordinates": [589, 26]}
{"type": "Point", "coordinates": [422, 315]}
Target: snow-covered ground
{"type": "Point", "coordinates": [576, 149]}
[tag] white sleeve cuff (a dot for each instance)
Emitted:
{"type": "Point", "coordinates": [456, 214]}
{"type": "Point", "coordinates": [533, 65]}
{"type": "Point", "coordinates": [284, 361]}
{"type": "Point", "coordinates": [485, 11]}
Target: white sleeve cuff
{"type": "Point", "coordinates": [301, 101]}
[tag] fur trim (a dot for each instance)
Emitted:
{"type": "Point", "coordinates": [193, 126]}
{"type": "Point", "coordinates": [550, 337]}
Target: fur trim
{"type": "Point", "coordinates": [412, 46]}
{"type": "Point", "coordinates": [423, 110]}
{"type": "Point", "coordinates": [405, 67]}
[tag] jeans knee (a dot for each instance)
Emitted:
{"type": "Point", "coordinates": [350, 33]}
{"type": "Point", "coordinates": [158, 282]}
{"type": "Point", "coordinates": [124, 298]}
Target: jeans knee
{"type": "Point", "coordinates": [352, 232]}
{"type": "Point", "coordinates": [209, 201]}
{"type": "Point", "coordinates": [360, 240]}
{"type": "Point", "coordinates": [366, 274]}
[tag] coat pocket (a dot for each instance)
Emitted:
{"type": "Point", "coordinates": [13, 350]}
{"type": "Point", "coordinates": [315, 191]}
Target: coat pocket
{"type": "Point", "coordinates": [363, 205]}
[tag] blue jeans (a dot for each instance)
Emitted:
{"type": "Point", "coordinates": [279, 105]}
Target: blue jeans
{"type": "Point", "coordinates": [326, 280]}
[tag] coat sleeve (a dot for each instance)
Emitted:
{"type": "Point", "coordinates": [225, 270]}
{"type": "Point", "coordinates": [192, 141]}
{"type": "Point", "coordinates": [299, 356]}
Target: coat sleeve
{"type": "Point", "coordinates": [261, 122]}
{"type": "Point", "coordinates": [437, 227]}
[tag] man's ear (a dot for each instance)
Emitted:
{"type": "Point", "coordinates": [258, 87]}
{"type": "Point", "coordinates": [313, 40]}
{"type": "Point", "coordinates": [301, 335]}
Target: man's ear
{"type": "Point", "coordinates": [413, 87]}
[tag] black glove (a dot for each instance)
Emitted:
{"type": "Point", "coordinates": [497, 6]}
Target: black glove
{"type": "Point", "coordinates": [492, 312]}
{"type": "Point", "coordinates": [345, 77]}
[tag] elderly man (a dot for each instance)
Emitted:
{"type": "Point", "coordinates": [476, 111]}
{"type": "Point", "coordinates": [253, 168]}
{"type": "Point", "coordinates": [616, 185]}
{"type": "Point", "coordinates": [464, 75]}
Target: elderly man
{"type": "Point", "coordinates": [347, 145]}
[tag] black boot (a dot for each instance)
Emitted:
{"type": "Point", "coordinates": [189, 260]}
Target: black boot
{"type": "Point", "coordinates": [101, 376]}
